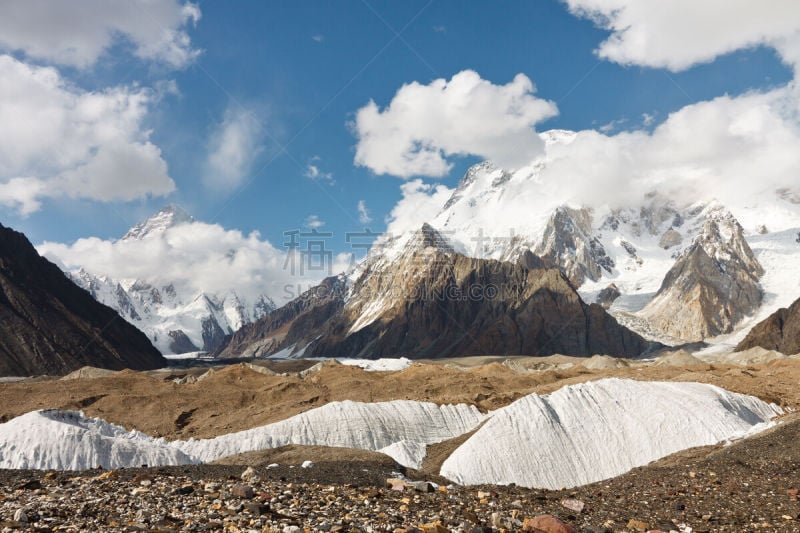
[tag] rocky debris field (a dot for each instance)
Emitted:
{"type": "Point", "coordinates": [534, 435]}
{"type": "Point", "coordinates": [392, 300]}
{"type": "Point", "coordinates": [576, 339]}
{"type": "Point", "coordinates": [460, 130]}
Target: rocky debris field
{"type": "Point", "coordinates": [751, 485]}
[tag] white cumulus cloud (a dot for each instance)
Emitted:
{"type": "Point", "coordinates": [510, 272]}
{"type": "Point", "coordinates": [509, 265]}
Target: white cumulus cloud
{"type": "Point", "coordinates": [57, 140]}
{"type": "Point", "coordinates": [677, 34]}
{"type": "Point", "coordinates": [78, 32]}
{"type": "Point", "coordinates": [424, 125]}
{"type": "Point", "coordinates": [313, 172]}
{"type": "Point", "coordinates": [313, 222]}
{"type": "Point", "coordinates": [420, 202]}
{"type": "Point", "coordinates": [233, 146]}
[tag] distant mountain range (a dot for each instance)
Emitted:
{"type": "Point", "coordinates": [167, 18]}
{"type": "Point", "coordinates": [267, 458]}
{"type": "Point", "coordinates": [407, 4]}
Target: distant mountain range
{"type": "Point", "coordinates": [673, 272]}
{"type": "Point", "coordinates": [660, 271]}
{"type": "Point", "coordinates": [176, 319]}
{"type": "Point", "coordinates": [50, 326]}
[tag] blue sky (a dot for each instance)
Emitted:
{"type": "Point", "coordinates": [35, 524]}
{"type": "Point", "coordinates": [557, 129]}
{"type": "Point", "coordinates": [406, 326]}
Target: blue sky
{"type": "Point", "coordinates": [299, 71]}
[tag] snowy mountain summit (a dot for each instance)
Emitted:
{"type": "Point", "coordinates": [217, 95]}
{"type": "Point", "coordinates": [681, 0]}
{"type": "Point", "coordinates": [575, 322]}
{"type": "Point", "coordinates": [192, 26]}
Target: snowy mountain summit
{"type": "Point", "coordinates": [167, 217]}
{"type": "Point", "coordinates": [176, 317]}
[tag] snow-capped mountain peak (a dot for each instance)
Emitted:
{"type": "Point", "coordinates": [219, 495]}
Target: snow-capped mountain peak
{"type": "Point", "coordinates": [167, 217]}
{"type": "Point", "coordinates": [176, 315]}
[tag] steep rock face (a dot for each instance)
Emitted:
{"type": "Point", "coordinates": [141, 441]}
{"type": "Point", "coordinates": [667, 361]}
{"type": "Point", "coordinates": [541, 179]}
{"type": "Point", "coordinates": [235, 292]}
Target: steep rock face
{"type": "Point", "coordinates": [569, 242]}
{"type": "Point", "coordinates": [429, 301]}
{"type": "Point", "coordinates": [712, 285]}
{"type": "Point", "coordinates": [48, 325]}
{"type": "Point", "coordinates": [289, 325]}
{"type": "Point", "coordinates": [780, 331]}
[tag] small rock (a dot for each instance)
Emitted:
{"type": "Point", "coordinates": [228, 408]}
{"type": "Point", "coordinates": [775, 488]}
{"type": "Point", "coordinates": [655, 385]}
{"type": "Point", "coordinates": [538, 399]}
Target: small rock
{"type": "Point", "coordinates": [481, 529]}
{"type": "Point", "coordinates": [573, 505]}
{"type": "Point", "coordinates": [546, 524]}
{"type": "Point", "coordinates": [33, 484]}
{"type": "Point", "coordinates": [250, 475]}
{"type": "Point", "coordinates": [434, 527]}
{"type": "Point", "coordinates": [638, 525]}
{"type": "Point", "coordinates": [307, 464]}
{"type": "Point", "coordinates": [243, 491]}
{"type": "Point", "coordinates": [20, 516]}
{"type": "Point", "coordinates": [395, 484]}
{"type": "Point", "coordinates": [422, 486]}
{"type": "Point", "coordinates": [185, 490]}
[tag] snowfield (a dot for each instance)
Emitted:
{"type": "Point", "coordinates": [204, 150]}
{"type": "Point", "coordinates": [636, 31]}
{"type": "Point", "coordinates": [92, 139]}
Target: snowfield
{"type": "Point", "coordinates": [597, 430]}
{"type": "Point", "coordinates": [576, 435]}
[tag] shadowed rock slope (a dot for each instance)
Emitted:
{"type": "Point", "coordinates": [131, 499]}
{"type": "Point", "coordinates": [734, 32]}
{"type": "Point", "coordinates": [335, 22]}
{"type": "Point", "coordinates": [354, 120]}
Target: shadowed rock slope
{"type": "Point", "coordinates": [780, 331]}
{"type": "Point", "coordinates": [428, 301]}
{"type": "Point", "coordinates": [49, 325]}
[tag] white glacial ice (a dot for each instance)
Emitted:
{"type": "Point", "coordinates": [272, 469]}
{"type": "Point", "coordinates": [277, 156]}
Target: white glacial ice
{"type": "Point", "coordinates": [399, 428]}
{"type": "Point", "coordinates": [66, 440]}
{"type": "Point", "coordinates": [597, 430]}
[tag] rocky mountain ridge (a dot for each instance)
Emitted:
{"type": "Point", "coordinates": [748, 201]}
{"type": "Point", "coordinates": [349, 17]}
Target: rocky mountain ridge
{"type": "Point", "coordinates": [780, 332]}
{"type": "Point", "coordinates": [648, 250]}
{"type": "Point", "coordinates": [50, 326]}
{"type": "Point", "coordinates": [431, 301]}
{"type": "Point", "coordinates": [713, 284]}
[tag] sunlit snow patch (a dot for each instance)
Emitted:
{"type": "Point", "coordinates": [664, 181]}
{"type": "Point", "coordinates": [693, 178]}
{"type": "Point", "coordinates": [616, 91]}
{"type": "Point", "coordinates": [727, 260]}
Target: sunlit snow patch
{"type": "Point", "coordinates": [378, 365]}
{"type": "Point", "coordinates": [598, 430]}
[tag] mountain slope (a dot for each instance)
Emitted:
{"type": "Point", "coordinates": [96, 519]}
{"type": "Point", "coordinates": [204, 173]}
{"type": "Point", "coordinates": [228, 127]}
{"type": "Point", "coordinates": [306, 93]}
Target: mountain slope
{"type": "Point", "coordinates": [780, 331]}
{"type": "Point", "coordinates": [48, 325]}
{"type": "Point", "coordinates": [430, 301]}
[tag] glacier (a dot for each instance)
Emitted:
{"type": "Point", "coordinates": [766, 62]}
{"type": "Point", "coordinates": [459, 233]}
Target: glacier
{"type": "Point", "coordinates": [601, 429]}
{"type": "Point", "coordinates": [576, 435]}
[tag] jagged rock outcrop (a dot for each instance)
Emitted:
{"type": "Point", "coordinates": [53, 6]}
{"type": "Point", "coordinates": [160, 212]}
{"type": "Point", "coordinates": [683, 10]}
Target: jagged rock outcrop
{"type": "Point", "coordinates": [570, 243]}
{"type": "Point", "coordinates": [429, 301]}
{"type": "Point", "coordinates": [49, 325]}
{"type": "Point", "coordinates": [181, 343]}
{"type": "Point", "coordinates": [712, 285]}
{"type": "Point", "coordinates": [608, 296]}
{"type": "Point", "coordinates": [780, 331]}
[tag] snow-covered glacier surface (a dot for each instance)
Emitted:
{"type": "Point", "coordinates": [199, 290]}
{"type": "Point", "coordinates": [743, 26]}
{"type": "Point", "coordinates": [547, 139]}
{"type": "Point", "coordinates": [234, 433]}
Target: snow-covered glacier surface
{"type": "Point", "coordinates": [66, 440]}
{"type": "Point", "coordinates": [597, 430]}
{"type": "Point", "coordinates": [399, 428]}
